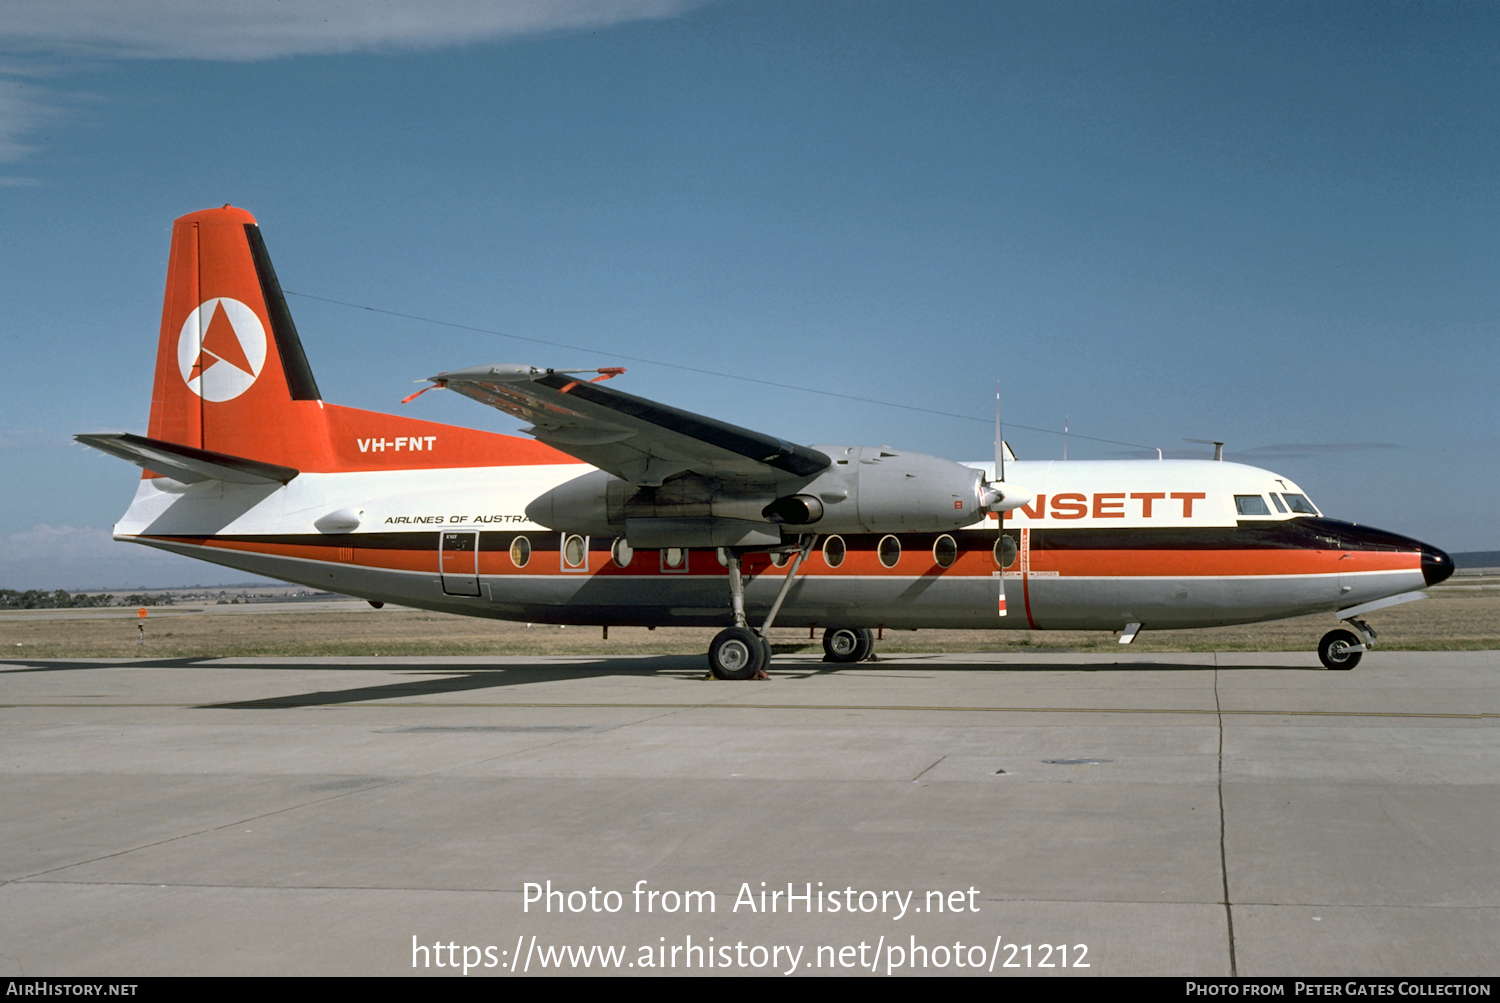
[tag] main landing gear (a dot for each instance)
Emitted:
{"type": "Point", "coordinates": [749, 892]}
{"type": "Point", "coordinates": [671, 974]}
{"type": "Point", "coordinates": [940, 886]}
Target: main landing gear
{"type": "Point", "coordinates": [1341, 649]}
{"type": "Point", "coordinates": [848, 644]}
{"type": "Point", "coordinates": [740, 652]}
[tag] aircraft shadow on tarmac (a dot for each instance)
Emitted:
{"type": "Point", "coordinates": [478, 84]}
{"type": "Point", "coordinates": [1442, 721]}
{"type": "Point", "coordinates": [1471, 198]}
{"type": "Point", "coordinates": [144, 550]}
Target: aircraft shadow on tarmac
{"type": "Point", "coordinates": [425, 680]}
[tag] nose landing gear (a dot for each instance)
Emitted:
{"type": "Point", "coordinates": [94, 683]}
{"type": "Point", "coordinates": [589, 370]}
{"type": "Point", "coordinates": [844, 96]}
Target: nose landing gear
{"type": "Point", "coordinates": [1341, 649]}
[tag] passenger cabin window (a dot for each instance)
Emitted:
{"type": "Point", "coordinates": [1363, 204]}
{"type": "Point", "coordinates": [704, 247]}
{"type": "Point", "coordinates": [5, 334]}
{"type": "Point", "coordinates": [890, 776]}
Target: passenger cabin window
{"type": "Point", "coordinates": [1299, 504]}
{"type": "Point", "coordinates": [621, 553]}
{"type": "Point", "coordinates": [520, 551]}
{"type": "Point", "coordinates": [945, 551]}
{"type": "Point", "coordinates": [889, 551]}
{"type": "Point", "coordinates": [833, 551]}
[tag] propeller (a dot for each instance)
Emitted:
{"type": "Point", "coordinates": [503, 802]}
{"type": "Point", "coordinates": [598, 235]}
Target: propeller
{"type": "Point", "coordinates": [1000, 516]}
{"type": "Point", "coordinates": [1001, 497]}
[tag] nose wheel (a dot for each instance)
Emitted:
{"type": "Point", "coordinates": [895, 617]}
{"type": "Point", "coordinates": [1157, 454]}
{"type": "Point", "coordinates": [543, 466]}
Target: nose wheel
{"type": "Point", "coordinates": [1340, 649]}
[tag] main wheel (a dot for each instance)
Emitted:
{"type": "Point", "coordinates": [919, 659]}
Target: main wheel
{"type": "Point", "coordinates": [1333, 650]}
{"type": "Point", "coordinates": [736, 653]}
{"type": "Point", "coordinates": [848, 644]}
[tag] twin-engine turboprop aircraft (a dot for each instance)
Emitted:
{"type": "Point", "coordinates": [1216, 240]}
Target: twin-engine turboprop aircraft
{"type": "Point", "coordinates": [622, 511]}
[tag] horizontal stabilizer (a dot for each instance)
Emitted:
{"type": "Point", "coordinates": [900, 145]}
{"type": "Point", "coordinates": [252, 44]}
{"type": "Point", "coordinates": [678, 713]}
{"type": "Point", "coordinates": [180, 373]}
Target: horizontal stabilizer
{"type": "Point", "coordinates": [186, 463]}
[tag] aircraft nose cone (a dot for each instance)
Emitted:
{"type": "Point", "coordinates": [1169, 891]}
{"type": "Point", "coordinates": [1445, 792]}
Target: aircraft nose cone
{"type": "Point", "coordinates": [1436, 565]}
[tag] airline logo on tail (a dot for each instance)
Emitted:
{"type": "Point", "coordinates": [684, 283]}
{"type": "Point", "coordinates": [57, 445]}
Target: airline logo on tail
{"type": "Point", "coordinates": [221, 349]}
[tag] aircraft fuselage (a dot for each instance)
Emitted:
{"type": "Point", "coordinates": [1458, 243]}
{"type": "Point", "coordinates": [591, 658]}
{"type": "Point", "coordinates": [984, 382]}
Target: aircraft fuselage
{"type": "Point", "coordinates": [1102, 544]}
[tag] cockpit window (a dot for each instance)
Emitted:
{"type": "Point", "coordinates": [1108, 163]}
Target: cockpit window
{"type": "Point", "coordinates": [1251, 505]}
{"type": "Point", "coordinates": [1275, 500]}
{"type": "Point", "coordinates": [1299, 504]}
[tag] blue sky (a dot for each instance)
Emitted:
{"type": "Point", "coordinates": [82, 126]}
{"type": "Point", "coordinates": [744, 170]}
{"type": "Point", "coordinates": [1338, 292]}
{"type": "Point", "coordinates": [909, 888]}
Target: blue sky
{"type": "Point", "coordinates": [1272, 224]}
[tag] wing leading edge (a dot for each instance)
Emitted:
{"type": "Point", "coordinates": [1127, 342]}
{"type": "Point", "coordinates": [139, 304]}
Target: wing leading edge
{"type": "Point", "coordinates": [638, 440]}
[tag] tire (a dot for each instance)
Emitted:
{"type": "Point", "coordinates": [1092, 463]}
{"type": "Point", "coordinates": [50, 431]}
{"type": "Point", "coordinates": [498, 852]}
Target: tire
{"type": "Point", "coordinates": [848, 644]}
{"type": "Point", "coordinates": [1334, 653]}
{"type": "Point", "coordinates": [736, 653]}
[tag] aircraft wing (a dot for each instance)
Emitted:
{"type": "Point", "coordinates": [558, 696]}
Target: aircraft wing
{"type": "Point", "coordinates": [638, 440]}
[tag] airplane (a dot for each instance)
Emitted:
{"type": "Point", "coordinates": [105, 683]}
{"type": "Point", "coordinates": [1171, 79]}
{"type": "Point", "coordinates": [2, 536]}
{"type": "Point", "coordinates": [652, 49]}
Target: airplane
{"type": "Point", "coordinates": [618, 510]}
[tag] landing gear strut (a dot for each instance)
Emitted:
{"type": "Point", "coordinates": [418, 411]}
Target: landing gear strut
{"type": "Point", "coordinates": [739, 652]}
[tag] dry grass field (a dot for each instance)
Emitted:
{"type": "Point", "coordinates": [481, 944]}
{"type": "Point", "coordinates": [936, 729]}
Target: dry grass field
{"type": "Point", "coordinates": [1453, 619]}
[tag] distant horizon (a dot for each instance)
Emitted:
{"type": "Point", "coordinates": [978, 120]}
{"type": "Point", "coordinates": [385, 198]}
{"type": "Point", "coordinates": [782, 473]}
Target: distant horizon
{"type": "Point", "coordinates": [95, 590]}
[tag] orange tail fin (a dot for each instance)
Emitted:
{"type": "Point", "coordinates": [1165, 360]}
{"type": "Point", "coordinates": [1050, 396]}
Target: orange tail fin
{"type": "Point", "coordinates": [231, 375]}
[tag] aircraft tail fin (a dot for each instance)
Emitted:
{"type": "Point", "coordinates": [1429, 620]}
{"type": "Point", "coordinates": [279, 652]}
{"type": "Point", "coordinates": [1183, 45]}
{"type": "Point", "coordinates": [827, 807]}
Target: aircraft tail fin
{"type": "Point", "coordinates": [234, 398]}
{"type": "Point", "coordinates": [231, 375]}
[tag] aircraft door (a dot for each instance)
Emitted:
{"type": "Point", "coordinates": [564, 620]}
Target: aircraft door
{"type": "Point", "coordinates": [459, 561]}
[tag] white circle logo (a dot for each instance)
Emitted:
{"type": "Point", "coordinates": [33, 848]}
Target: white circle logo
{"type": "Point", "coordinates": [221, 349]}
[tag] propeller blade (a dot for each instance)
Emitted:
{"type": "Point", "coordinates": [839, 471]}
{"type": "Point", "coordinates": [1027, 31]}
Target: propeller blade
{"type": "Point", "coordinates": [999, 516]}
{"type": "Point", "coordinates": [999, 439]}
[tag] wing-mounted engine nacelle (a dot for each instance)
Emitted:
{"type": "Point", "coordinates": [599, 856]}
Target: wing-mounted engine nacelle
{"type": "Point", "coordinates": [865, 490]}
{"type": "Point", "coordinates": [875, 489]}
{"type": "Point", "coordinates": [601, 504]}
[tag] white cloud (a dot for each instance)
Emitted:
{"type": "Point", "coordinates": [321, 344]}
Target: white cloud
{"type": "Point", "coordinates": [36, 34]}
{"type": "Point", "coordinates": [266, 29]}
{"type": "Point", "coordinates": [23, 106]}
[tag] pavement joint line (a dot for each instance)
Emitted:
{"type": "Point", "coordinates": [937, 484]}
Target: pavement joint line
{"type": "Point", "coordinates": [207, 829]}
{"type": "Point", "coordinates": [1000, 899]}
{"type": "Point", "coordinates": [380, 705]}
{"type": "Point", "coordinates": [349, 793]}
{"type": "Point", "coordinates": [547, 745]}
{"type": "Point", "coordinates": [919, 776]}
{"type": "Point", "coordinates": [1234, 968]}
{"type": "Point", "coordinates": [472, 890]}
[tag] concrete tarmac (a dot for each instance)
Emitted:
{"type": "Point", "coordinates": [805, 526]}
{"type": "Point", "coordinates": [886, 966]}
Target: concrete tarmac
{"type": "Point", "coordinates": [1188, 814]}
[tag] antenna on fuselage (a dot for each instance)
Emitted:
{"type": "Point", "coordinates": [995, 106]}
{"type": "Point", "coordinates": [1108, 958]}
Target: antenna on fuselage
{"type": "Point", "coordinates": [1218, 447]}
